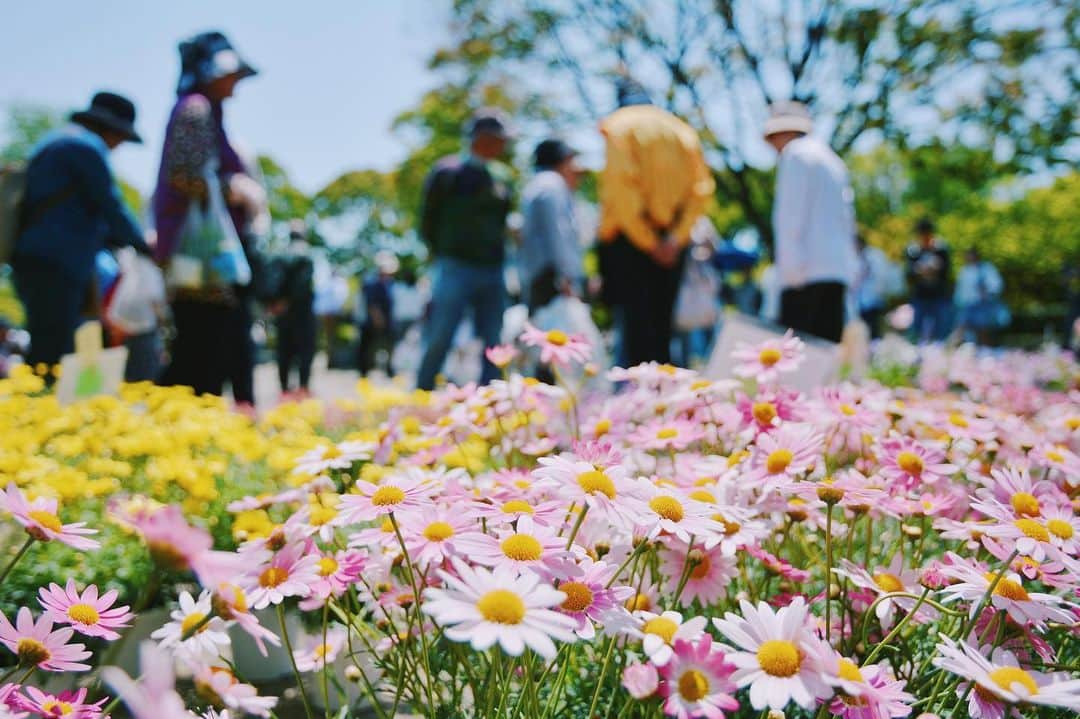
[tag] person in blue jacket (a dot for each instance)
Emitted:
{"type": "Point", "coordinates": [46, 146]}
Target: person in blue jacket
{"type": "Point", "coordinates": [71, 210]}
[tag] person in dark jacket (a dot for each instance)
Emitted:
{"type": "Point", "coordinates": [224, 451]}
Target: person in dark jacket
{"type": "Point", "coordinates": [466, 200]}
{"type": "Point", "coordinates": [929, 267]}
{"type": "Point", "coordinates": [296, 328]}
{"type": "Point", "coordinates": [205, 317]}
{"type": "Point", "coordinates": [377, 332]}
{"type": "Point", "coordinates": [71, 210]}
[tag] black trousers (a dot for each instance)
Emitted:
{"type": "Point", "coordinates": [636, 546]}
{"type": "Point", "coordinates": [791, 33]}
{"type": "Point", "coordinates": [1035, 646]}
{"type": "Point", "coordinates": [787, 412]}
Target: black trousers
{"type": "Point", "coordinates": [54, 308]}
{"type": "Point", "coordinates": [202, 350]}
{"type": "Point", "coordinates": [242, 367]}
{"type": "Point", "coordinates": [816, 309]}
{"type": "Point", "coordinates": [296, 333]}
{"type": "Point", "coordinates": [373, 339]}
{"type": "Point", "coordinates": [644, 293]}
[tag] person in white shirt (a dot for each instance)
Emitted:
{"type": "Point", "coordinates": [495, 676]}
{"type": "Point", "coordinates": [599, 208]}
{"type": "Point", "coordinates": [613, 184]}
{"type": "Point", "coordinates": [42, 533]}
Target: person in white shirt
{"type": "Point", "coordinates": [813, 225]}
{"type": "Point", "coordinates": [876, 280]}
{"type": "Point", "coordinates": [977, 298]}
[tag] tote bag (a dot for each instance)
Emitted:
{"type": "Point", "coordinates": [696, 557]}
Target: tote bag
{"type": "Point", "coordinates": [209, 253]}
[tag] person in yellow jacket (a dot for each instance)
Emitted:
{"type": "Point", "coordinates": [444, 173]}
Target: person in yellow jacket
{"type": "Point", "coordinates": [653, 189]}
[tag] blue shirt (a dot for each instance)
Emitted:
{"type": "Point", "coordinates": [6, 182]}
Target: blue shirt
{"type": "Point", "coordinates": [69, 233]}
{"type": "Point", "coordinates": [549, 235]}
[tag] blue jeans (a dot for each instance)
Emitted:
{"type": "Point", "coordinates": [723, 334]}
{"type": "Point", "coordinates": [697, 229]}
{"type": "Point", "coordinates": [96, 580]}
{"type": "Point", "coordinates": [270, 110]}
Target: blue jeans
{"type": "Point", "coordinates": [933, 319]}
{"type": "Point", "coordinates": [461, 286]}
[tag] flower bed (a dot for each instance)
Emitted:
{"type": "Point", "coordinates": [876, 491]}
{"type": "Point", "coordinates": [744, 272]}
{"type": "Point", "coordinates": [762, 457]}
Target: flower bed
{"type": "Point", "coordinates": [684, 547]}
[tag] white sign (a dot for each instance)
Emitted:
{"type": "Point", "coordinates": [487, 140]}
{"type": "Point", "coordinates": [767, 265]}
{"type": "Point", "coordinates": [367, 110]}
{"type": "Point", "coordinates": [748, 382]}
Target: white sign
{"type": "Point", "coordinates": [92, 370]}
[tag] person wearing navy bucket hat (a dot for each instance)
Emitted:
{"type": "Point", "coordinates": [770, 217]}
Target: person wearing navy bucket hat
{"type": "Point", "coordinates": [201, 206]}
{"type": "Point", "coordinates": [70, 210]}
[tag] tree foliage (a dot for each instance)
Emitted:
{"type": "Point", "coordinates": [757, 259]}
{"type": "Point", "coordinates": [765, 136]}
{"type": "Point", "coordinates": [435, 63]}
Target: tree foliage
{"type": "Point", "coordinates": [905, 72]}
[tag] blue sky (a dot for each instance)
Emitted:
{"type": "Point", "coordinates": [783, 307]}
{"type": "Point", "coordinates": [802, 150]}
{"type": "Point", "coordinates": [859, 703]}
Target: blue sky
{"type": "Point", "coordinates": [334, 73]}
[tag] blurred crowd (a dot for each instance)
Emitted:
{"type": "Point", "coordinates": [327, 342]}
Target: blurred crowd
{"type": "Point", "coordinates": [189, 294]}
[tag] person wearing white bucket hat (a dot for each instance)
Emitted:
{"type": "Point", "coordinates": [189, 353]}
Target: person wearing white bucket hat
{"type": "Point", "coordinates": [813, 225]}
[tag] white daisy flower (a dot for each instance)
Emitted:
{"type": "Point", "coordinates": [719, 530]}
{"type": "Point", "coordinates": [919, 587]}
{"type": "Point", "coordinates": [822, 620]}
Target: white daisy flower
{"type": "Point", "coordinates": [190, 634]}
{"type": "Point", "coordinates": [485, 608]}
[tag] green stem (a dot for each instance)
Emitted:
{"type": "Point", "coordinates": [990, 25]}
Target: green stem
{"type": "Point", "coordinates": [896, 629]}
{"type": "Point", "coordinates": [828, 572]}
{"type": "Point", "coordinates": [416, 608]}
{"type": "Point", "coordinates": [577, 526]}
{"type": "Point", "coordinates": [292, 661]}
{"type": "Point", "coordinates": [600, 679]}
{"type": "Point", "coordinates": [326, 664]}
{"type": "Point", "coordinates": [16, 558]}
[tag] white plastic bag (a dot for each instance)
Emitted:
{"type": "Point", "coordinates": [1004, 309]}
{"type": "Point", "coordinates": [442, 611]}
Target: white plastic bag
{"type": "Point", "coordinates": [696, 306]}
{"type": "Point", "coordinates": [139, 296]}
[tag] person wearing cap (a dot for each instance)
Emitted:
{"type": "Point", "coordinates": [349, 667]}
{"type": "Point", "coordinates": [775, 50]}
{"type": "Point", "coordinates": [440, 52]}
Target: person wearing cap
{"type": "Point", "coordinates": [71, 210]}
{"type": "Point", "coordinates": [551, 254]}
{"type": "Point", "coordinates": [196, 144]}
{"type": "Point", "coordinates": [813, 225]}
{"type": "Point", "coordinates": [653, 189]}
{"type": "Point", "coordinates": [466, 200]}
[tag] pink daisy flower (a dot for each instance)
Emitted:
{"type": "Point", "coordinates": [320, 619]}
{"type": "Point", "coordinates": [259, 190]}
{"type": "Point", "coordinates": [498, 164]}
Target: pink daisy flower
{"type": "Point", "coordinates": [509, 507]}
{"type": "Point", "coordinates": [1059, 460]}
{"type": "Point", "coordinates": [888, 580]}
{"type": "Point", "coordinates": [36, 644]}
{"type": "Point", "coordinates": [869, 692]}
{"type": "Point", "coordinates": [785, 454]}
{"type": "Point", "coordinates": [501, 355]}
{"type": "Point", "coordinates": [667, 434]}
{"type": "Point", "coordinates": [230, 602]}
{"type": "Point", "coordinates": [1001, 683]}
{"type": "Point", "coordinates": [557, 347]}
{"type": "Point", "coordinates": [65, 705]}
{"type": "Point", "coordinates": [776, 565]}
{"type": "Point", "coordinates": [641, 680]}
{"type": "Point", "coordinates": [88, 614]}
{"type": "Point", "coordinates": [911, 463]}
{"type": "Point", "coordinates": [1009, 595]}
{"type": "Point", "coordinates": [292, 572]}
{"type": "Point", "coordinates": [337, 572]}
{"type": "Point", "coordinates": [173, 543]}
{"type": "Point", "coordinates": [432, 534]}
{"type": "Point", "coordinates": [605, 490]}
{"type": "Point", "coordinates": [710, 574]}
{"type": "Point", "coordinates": [224, 689]}
{"type": "Point", "coordinates": [659, 632]}
{"type": "Point", "coordinates": [315, 652]}
{"type": "Point", "coordinates": [697, 681]}
{"type": "Point", "coordinates": [333, 456]}
{"type": "Point", "coordinates": [770, 408]}
{"type": "Point", "coordinates": [528, 547]}
{"type": "Point", "coordinates": [39, 518]}
{"type": "Point", "coordinates": [780, 656]}
{"type": "Point", "coordinates": [409, 490]}
{"type": "Point", "coordinates": [589, 598]}
{"type": "Point", "coordinates": [501, 607]}
{"type": "Point", "coordinates": [765, 362]}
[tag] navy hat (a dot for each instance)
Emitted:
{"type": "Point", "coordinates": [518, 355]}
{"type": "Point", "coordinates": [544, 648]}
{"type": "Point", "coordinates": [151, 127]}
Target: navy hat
{"type": "Point", "coordinates": [552, 152]}
{"type": "Point", "coordinates": [111, 112]}
{"type": "Point", "coordinates": [631, 92]}
{"type": "Point", "coordinates": [206, 57]}
{"type": "Point", "coordinates": [490, 121]}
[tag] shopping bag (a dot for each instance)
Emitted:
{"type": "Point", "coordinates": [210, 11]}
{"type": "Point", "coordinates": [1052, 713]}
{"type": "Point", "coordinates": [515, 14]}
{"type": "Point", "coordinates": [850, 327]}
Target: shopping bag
{"type": "Point", "coordinates": [139, 296]}
{"type": "Point", "coordinates": [209, 252]}
{"type": "Point", "coordinates": [696, 306]}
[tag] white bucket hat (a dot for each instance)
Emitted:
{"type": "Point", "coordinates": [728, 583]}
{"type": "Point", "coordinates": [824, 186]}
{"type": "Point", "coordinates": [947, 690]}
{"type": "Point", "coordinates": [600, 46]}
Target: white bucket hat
{"type": "Point", "coordinates": [788, 117]}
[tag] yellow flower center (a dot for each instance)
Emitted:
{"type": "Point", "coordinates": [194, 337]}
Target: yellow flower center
{"type": "Point", "coordinates": [661, 627]}
{"type": "Point", "coordinates": [387, 496]}
{"type": "Point", "coordinates": [83, 614]}
{"type": "Point", "coordinates": [910, 463]}
{"type": "Point", "coordinates": [578, 596]}
{"type": "Point", "coordinates": [778, 460]}
{"type": "Point", "coordinates": [888, 582]}
{"type": "Point", "coordinates": [557, 337]}
{"type": "Point", "coordinates": [667, 507]}
{"type": "Point", "coordinates": [273, 576]}
{"type": "Point", "coordinates": [693, 685]}
{"type": "Point", "coordinates": [31, 652]}
{"type": "Point", "coordinates": [438, 531]}
{"type": "Point", "coordinates": [387, 526]}
{"type": "Point", "coordinates": [332, 452]}
{"type": "Point", "coordinates": [602, 427]}
{"type": "Point", "coordinates": [320, 514]}
{"type": "Point", "coordinates": [829, 494]}
{"type": "Point", "coordinates": [847, 409]}
{"type": "Point", "coordinates": [596, 482]}
{"type": "Point", "coordinates": [1008, 588]}
{"type": "Point", "coordinates": [1073, 423]}
{"type": "Point", "coordinates": [667, 433]}
{"type": "Point", "coordinates": [502, 607]}
{"type": "Point", "coordinates": [701, 566]}
{"type": "Point", "coordinates": [1025, 504]}
{"type": "Point", "coordinates": [321, 651]}
{"type": "Point", "coordinates": [54, 706]}
{"type": "Point", "coordinates": [48, 520]}
{"type": "Point", "coordinates": [327, 566]}
{"type": "Point", "coordinates": [191, 621]}
{"type": "Point", "coordinates": [517, 506]}
{"type": "Point", "coordinates": [779, 658]}
{"type": "Point", "coordinates": [850, 671]}
{"type": "Point", "coordinates": [764, 412]}
{"type": "Point", "coordinates": [639, 603]}
{"type": "Point", "coordinates": [1055, 456]}
{"type": "Point", "coordinates": [1007, 677]}
{"type": "Point", "coordinates": [958, 420]}
{"type": "Point", "coordinates": [1032, 529]}
{"type": "Point", "coordinates": [522, 548]}
{"type": "Point", "coordinates": [1060, 528]}
{"type": "Point", "coordinates": [769, 356]}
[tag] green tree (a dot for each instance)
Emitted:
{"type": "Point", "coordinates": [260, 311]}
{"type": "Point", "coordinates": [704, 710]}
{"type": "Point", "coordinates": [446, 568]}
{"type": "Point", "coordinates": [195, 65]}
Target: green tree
{"type": "Point", "coordinates": [24, 127]}
{"type": "Point", "coordinates": [900, 71]}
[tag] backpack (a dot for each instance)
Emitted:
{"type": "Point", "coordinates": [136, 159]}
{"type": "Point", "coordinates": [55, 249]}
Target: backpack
{"type": "Point", "coordinates": [12, 188]}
